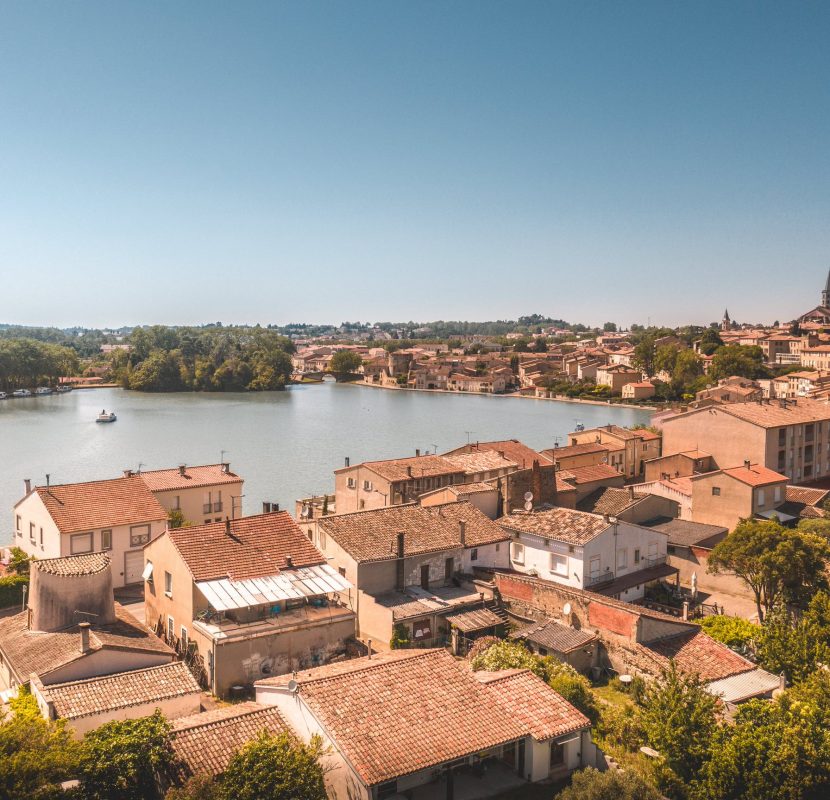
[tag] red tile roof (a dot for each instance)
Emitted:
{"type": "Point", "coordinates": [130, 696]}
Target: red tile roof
{"type": "Point", "coordinates": [514, 450]}
{"type": "Point", "coordinates": [85, 698]}
{"type": "Point", "coordinates": [372, 535]}
{"type": "Point", "coordinates": [596, 472]}
{"type": "Point", "coordinates": [398, 469]}
{"type": "Point", "coordinates": [562, 524]}
{"type": "Point", "coordinates": [755, 475]}
{"type": "Point", "coordinates": [395, 717]}
{"type": "Point", "coordinates": [696, 652]}
{"type": "Point", "coordinates": [206, 742]}
{"type": "Point", "coordinates": [540, 710]}
{"type": "Point", "coordinates": [161, 480]}
{"type": "Point", "coordinates": [100, 504]}
{"type": "Point", "coordinates": [257, 546]}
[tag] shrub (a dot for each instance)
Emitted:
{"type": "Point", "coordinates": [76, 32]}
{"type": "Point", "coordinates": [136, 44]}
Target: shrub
{"type": "Point", "coordinates": [11, 590]}
{"type": "Point", "coordinates": [620, 727]}
{"type": "Point", "coordinates": [400, 637]}
{"type": "Point", "coordinates": [734, 632]}
{"type": "Point", "coordinates": [591, 784]}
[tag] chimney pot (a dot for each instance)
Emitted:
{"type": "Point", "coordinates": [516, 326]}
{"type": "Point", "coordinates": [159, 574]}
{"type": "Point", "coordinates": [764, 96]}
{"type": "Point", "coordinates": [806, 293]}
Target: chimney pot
{"type": "Point", "coordinates": [182, 468]}
{"type": "Point", "coordinates": [27, 482]}
{"type": "Point", "coordinates": [346, 461]}
{"type": "Point", "coordinates": [47, 480]}
{"type": "Point", "coordinates": [83, 627]}
{"type": "Point", "coordinates": [289, 562]}
{"type": "Point", "coordinates": [747, 463]}
{"type": "Point", "coordinates": [226, 467]}
{"type": "Point", "coordinates": [266, 508]}
{"type": "Point", "coordinates": [417, 452]}
{"type": "Point", "coordinates": [228, 526]}
{"type": "Point", "coordinates": [369, 648]}
{"type": "Point", "coordinates": [275, 507]}
{"type": "Point", "coordinates": [400, 544]}
{"type": "Point", "coordinates": [128, 473]}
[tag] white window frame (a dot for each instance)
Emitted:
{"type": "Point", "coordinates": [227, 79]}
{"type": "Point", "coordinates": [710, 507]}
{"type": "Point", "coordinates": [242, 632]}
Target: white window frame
{"type": "Point", "coordinates": [77, 537]}
{"type": "Point", "coordinates": [517, 553]}
{"type": "Point", "coordinates": [19, 523]}
{"type": "Point", "coordinates": [559, 564]}
{"type": "Point", "coordinates": [139, 539]}
{"type": "Point", "coordinates": [106, 539]}
{"type": "Point", "coordinates": [32, 528]}
{"type": "Point", "coordinates": [622, 559]}
{"type": "Point", "coordinates": [168, 584]}
{"type": "Point", "coordinates": [171, 627]}
{"type": "Point", "coordinates": [760, 497]}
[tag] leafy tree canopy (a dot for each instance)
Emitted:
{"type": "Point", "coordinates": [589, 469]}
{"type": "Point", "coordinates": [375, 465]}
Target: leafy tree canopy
{"type": "Point", "coordinates": [345, 361]}
{"type": "Point", "coordinates": [591, 784]}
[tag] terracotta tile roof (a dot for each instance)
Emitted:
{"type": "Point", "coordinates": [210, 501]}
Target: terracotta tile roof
{"type": "Point", "coordinates": [597, 472]}
{"type": "Point", "coordinates": [697, 652]}
{"type": "Point", "coordinates": [100, 504]}
{"type": "Point", "coordinates": [464, 489]}
{"type": "Point", "coordinates": [337, 668]}
{"type": "Point", "coordinates": [161, 480]}
{"type": "Point", "coordinates": [372, 535]}
{"type": "Point", "coordinates": [257, 547]}
{"type": "Point", "coordinates": [553, 635]}
{"type": "Point", "coordinates": [474, 619]}
{"type": "Point", "coordinates": [562, 524]}
{"type": "Point", "coordinates": [514, 450]}
{"type": "Point", "coordinates": [806, 495]}
{"type": "Point", "coordinates": [768, 415]}
{"type": "Point", "coordinates": [124, 689]}
{"type": "Point", "coordinates": [483, 461]}
{"type": "Point", "coordinates": [206, 742]}
{"type": "Point", "coordinates": [397, 469]}
{"type": "Point", "coordinates": [609, 500]}
{"type": "Point", "coordinates": [28, 651]}
{"type": "Point", "coordinates": [755, 475]}
{"type": "Point", "coordinates": [68, 566]}
{"type": "Point", "coordinates": [575, 450]}
{"type": "Point", "coordinates": [393, 718]}
{"type": "Point", "coordinates": [538, 708]}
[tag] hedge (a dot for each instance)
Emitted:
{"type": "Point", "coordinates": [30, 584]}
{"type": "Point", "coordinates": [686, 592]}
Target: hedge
{"type": "Point", "coordinates": [11, 590]}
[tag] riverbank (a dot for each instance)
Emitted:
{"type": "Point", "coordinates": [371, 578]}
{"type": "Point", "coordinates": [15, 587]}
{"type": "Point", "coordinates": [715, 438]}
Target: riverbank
{"type": "Point", "coordinates": [557, 399]}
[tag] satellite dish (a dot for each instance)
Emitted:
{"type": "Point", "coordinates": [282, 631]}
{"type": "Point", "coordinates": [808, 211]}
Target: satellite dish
{"type": "Point", "coordinates": [304, 512]}
{"type": "Point", "coordinates": [566, 609]}
{"type": "Point", "coordinates": [293, 686]}
{"type": "Point", "coordinates": [528, 496]}
{"type": "Point", "coordinates": [528, 506]}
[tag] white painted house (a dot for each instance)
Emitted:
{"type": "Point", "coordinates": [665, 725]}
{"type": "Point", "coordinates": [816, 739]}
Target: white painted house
{"type": "Point", "coordinates": [587, 551]}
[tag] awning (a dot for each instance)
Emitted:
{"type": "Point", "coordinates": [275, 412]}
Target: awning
{"type": "Point", "coordinates": [148, 571]}
{"type": "Point", "coordinates": [782, 517]}
{"type": "Point", "coordinates": [476, 619]}
{"type": "Point", "coordinates": [744, 686]}
{"type": "Point", "coordinates": [290, 584]}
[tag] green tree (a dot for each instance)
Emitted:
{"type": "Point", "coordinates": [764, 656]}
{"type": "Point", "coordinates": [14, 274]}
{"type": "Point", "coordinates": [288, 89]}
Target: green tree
{"type": "Point", "coordinates": [201, 786]}
{"type": "Point", "coordinates": [345, 361]}
{"type": "Point", "coordinates": [735, 359]}
{"type": "Point", "coordinates": [678, 717]}
{"type": "Point", "coordinates": [665, 358]}
{"type": "Point", "coordinates": [35, 755]}
{"type": "Point", "coordinates": [776, 563]}
{"type": "Point", "coordinates": [710, 341]}
{"type": "Point", "coordinates": [820, 527]}
{"type": "Point", "coordinates": [159, 372]}
{"type": "Point", "coordinates": [688, 368]}
{"type": "Point", "coordinates": [127, 760]}
{"type": "Point", "coordinates": [610, 327]}
{"type": "Point", "coordinates": [734, 632]}
{"type": "Point", "coordinates": [176, 519]}
{"type": "Point", "coordinates": [276, 768]}
{"type": "Point", "coordinates": [591, 784]}
{"type": "Point", "coordinates": [644, 354]}
{"type": "Point", "coordinates": [19, 562]}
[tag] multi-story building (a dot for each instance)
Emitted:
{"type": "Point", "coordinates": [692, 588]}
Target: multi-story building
{"type": "Point", "coordinates": [616, 376]}
{"type": "Point", "coordinates": [791, 437]}
{"type": "Point", "coordinates": [246, 598]}
{"type": "Point", "coordinates": [637, 445]}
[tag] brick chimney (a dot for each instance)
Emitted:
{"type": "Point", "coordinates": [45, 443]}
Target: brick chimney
{"type": "Point", "coordinates": [182, 469]}
{"type": "Point", "coordinates": [536, 472]}
{"type": "Point", "coordinates": [462, 532]}
{"type": "Point", "coordinates": [27, 483]}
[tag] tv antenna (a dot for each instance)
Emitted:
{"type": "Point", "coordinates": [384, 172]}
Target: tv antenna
{"type": "Point", "coordinates": [469, 433]}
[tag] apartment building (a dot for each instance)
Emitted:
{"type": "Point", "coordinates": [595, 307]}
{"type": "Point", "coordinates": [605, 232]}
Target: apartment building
{"type": "Point", "coordinates": [637, 445]}
{"type": "Point", "coordinates": [791, 437]}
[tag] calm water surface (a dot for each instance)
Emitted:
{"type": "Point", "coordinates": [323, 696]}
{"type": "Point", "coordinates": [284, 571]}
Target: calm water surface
{"type": "Point", "coordinates": [284, 444]}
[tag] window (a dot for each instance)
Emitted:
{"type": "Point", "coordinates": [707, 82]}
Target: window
{"type": "Point", "coordinates": [622, 559]}
{"type": "Point", "coordinates": [518, 554]}
{"type": "Point", "coordinates": [177, 503]}
{"type": "Point", "coordinates": [106, 540]}
{"type": "Point", "coordinates": [168, 584]}
{"type": "Point", "coordinates": [342, 571]}
{"type": "Point", "coordinates": [557, 755]}
{"type": "Point", "coordinates": [217, 504]}
{"type": "Point", "coordinates": [716, 491]}
{"type": "Point", "coordinates": [80, 543]}
{"type": "Point", "coordinates": [637, 555]}
{"type": "Point", "coordinates": [18, 525]}
{"type": "Point", "coordinates": [367, 486]}
{"type": "Point", "coordinates": [184, 637]}
{"type": "Point", "coordinates": [760, 496]}
{"type": "Point", "coordinates": [139, 535]}
{"type": "Point", "coordinates": [41, 537]}
{"type": "Point", "coordinates": [474, 554]}
{"type": "Point", "coordinates": [362, 504]}
{"type": "Point", "coordinates": [782, 437]}
{"type": "Point", "coordinates": [207, 503]}
{"type": "Point", "coordinates": [322, 538]}
{"type": "Point", "coordinates": [558, 564]}
{"type": "Point", "coordinates": [171, 629]}
{"type": "Point", "coordinates": [32, 531]}
{"type": "Point", "coordinates": [594, 567]}
{"type": "Point", "coordinates": [351, 483]}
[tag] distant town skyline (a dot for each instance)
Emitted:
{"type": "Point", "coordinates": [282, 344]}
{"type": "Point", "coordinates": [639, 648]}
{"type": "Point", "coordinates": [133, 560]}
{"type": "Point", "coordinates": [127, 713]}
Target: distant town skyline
{"type": "Point", "coordinates": [312, 162]}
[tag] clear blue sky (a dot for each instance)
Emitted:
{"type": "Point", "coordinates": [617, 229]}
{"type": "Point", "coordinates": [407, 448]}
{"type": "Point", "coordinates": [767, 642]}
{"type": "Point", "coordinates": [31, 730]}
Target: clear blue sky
{"type": "Point", "coordinates": [274, 162]}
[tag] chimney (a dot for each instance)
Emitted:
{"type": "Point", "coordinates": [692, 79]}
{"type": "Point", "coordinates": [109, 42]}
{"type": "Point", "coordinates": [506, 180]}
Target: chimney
{"type": "Point", "coordinates": [27, 482]}
{"type": "Point", "coordinates": [685, 610]}
{"type": "Point", "coordinates": [266, 508]}
{"type": "Point", "coordinates": [462, 532]}
{"type": "Point", "coordinates": [409, 471]}
{"type": "Point", "coordinates": [501, 453]}
{"type": "Point", "coordinates": [289, 562]}
{"type": "Point", "coordinates": [225, 467]}
{"type": "Point", "coordinates": [400, 578]}
{"type": "Point", "coordinates": [747, 464]}
{"type": "Point", "coordinates": [47, 480]}
{"type": "Point", "coordinates": [606, 519]}
{"type": "Point", "coordinates": [275, 507]}
{"type": "Point", "coordinates": [346, 461]}
{"type": "Point", "coordinates": [369, 648]}
{"type": "Point", "coordinates": [630, 492]}
{"type": "Point", "coordinates": [228, 526]}
{"type": "Point", "coordinates": [417, 452]}
{"type": "Point", "coordinates": [128, 473]}
{"type": "Point", "coordinates": [83, 627]}
{"type": "Point", "coordinates": [182, 468]}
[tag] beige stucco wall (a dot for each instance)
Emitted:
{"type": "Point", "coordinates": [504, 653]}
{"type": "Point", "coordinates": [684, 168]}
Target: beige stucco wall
{"type": "Point", "coordinates": [735, 502]}
{"type": "Point", "coordinates": [172, 708]}
{"type": "Point", "coordinates": [192, 500]}
{"type": "Point", "coordinates": [31, 510]}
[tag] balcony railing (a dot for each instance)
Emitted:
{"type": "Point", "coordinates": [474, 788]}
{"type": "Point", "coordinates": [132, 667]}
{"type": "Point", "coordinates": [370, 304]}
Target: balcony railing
{"type": "Point", "coordinates": [595, 580]}
{"type": "Point", "coordinates": [653, 561]}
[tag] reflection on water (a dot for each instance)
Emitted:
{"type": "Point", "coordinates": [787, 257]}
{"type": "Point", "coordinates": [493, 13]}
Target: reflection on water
{"type": "Point", "coordinates": [285, 444]}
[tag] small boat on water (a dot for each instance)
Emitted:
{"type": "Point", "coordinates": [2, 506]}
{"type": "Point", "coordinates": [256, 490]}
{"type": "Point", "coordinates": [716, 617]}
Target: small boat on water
{"type": "Point", "coordinates": [63, 389]}
{"type": "Point", "coordinates": [104, 417]}
{"type": "Point", "coordinates": [21, 393]}
{"type": "Point", "coordinates": [43, 390]}
{"type": "Point", "coordinates": [3, 395]}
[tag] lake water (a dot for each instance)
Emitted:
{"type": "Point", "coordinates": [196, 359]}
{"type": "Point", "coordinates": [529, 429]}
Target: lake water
{"type": "Point", "coordinates": [284, 444]}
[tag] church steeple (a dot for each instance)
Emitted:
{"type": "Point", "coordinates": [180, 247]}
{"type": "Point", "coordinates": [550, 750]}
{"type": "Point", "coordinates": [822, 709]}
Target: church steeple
{"type": "Point", "coordinates": [726, 324]}
{"type": "Point", "coordinates": [825, 295]}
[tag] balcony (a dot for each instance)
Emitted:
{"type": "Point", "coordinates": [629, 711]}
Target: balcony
{"type": "Point", "coordinates": [653, 561]}
{"type": "Point", "coordinates": [220, 626]}
{"type": "Point", "coordinates": [598, 580]}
